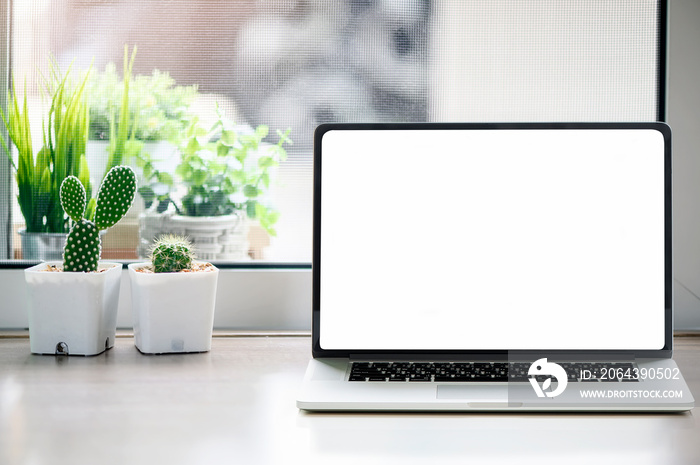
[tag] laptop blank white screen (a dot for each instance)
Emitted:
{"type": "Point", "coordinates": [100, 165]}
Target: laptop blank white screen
{"type": "Point", "coordinates": [492, 239]}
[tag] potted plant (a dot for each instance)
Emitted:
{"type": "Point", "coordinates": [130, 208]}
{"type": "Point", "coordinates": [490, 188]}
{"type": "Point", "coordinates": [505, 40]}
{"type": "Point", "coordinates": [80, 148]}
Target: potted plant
{"type": "Point", "coordinates": [173, 298]}
{"type": "Point", "coordinates": [73, 303]}
{"type": "Point", "coordinates": [137, 115]}
{"type": "Point", "coordinates": [39, 178]}
{"type": "Point", "coordinates": [225, 171]}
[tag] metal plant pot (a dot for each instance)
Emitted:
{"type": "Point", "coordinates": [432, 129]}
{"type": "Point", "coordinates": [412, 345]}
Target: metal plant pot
{"type": "Point", "coordinates": [42, 246]}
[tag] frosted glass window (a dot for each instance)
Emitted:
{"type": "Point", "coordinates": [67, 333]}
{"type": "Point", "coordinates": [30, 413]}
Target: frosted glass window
{"type": "Point", "coordinates": [295, 64]}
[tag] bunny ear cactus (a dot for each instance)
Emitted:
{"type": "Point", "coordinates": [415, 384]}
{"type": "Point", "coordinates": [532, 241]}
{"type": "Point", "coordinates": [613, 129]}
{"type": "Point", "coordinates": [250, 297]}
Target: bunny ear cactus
{"type": "Point", "coordinates": [171, 254]}
{"type": "Point", "coordinates": [116, 194]}
{"type": "Point", "coordinates": [73, 198]}
{"type": "Point", "coordinates": [82, 250]}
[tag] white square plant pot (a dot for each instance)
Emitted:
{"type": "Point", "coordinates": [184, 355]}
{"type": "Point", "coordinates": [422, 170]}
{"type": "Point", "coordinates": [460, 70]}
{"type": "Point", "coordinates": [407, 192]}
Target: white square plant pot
{"type": "Point", "coordinates": [72, 313]}
{"type": "Point", "coordinates": [173, 312]}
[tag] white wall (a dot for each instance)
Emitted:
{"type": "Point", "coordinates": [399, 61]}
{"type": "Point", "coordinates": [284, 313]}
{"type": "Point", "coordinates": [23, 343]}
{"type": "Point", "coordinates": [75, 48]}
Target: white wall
{"type": "Point", "coordinates": [683, 115]}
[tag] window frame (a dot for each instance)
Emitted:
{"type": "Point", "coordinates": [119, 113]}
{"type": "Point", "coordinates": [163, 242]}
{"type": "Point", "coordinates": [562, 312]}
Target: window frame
{"type": "Point", "coordinates": [5, 168]}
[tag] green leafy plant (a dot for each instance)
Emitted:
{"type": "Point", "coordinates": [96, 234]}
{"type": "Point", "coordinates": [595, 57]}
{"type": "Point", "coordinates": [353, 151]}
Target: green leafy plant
{"type": "Point", "coordinates": [155, 106]}
{"type": "Point", "coordinates": [225, 170]}
{"type": "Point", "coordinates": [115, 196]}
{"type": "Point", "coordinates": [65, 132]}
{"type": "Point", "coordinates": [171, 253]}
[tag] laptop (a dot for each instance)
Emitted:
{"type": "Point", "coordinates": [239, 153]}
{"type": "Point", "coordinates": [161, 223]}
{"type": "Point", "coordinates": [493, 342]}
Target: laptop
{"type": "Point", "coordinates": [493, 267]}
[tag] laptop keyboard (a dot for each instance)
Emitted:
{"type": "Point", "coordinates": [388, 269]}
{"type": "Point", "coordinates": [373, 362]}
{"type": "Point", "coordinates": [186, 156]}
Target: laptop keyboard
{"type": "Point", "coordinates": [482, 371]}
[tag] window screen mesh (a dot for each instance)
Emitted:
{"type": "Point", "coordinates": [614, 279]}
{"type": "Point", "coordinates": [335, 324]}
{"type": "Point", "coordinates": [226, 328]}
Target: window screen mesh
{"type": "Point", "coordinates": [295, 64]}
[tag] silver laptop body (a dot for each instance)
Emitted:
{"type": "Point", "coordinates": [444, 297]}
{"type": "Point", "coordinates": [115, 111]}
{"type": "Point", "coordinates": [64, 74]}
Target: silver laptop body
{"type": "Point", "coordinates": [484, 267]}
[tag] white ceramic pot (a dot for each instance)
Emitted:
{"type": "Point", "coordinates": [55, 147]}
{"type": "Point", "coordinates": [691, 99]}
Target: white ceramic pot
{"type": "Point", "coordinates": [173, 312]}
{"type": "Point", "coordinates": [72, 313]}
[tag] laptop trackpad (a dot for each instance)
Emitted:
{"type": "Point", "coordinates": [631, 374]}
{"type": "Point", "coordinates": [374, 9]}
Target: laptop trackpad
{"type": "Point", "coordinates": [473, 393]}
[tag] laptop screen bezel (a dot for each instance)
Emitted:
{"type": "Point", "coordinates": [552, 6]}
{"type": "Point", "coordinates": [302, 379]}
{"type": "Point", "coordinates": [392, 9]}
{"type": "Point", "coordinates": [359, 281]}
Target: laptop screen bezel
{"type": "Point", "coordinates": [319, 352]}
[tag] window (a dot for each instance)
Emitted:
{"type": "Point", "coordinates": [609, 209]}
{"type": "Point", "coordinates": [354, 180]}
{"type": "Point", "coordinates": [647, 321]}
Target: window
{"type": "Point", "coordinates": [295, 64]}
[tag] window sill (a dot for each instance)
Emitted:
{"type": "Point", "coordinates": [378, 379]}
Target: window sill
{"type": "Point", "coordinates": [264, 298]}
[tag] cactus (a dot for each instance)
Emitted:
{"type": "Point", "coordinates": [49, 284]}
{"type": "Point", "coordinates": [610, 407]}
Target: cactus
{"type": "Point", "coordinates": [82, 250]}
{"type": "Point", "coordinates": [171, 253]}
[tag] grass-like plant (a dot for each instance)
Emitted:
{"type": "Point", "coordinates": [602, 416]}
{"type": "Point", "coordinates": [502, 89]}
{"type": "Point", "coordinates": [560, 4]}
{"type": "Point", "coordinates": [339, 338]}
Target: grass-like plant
{"type": "Point", "coordinates": [122, 143]}
{"type": "Point", "coordinates": [65, 133]}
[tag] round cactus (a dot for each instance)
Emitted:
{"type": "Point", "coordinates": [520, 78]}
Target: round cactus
{"type": "Point", "coordinates": [82, 250]}
{"type": "Point", "coordinates": [115, 196]}
{"type": "Point", "coordinates": [171, 253]}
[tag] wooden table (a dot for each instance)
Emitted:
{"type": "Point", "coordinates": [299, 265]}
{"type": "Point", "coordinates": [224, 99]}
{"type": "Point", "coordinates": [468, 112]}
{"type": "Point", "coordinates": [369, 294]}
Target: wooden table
{"type": "Point", "coordinates": [236, 405]}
